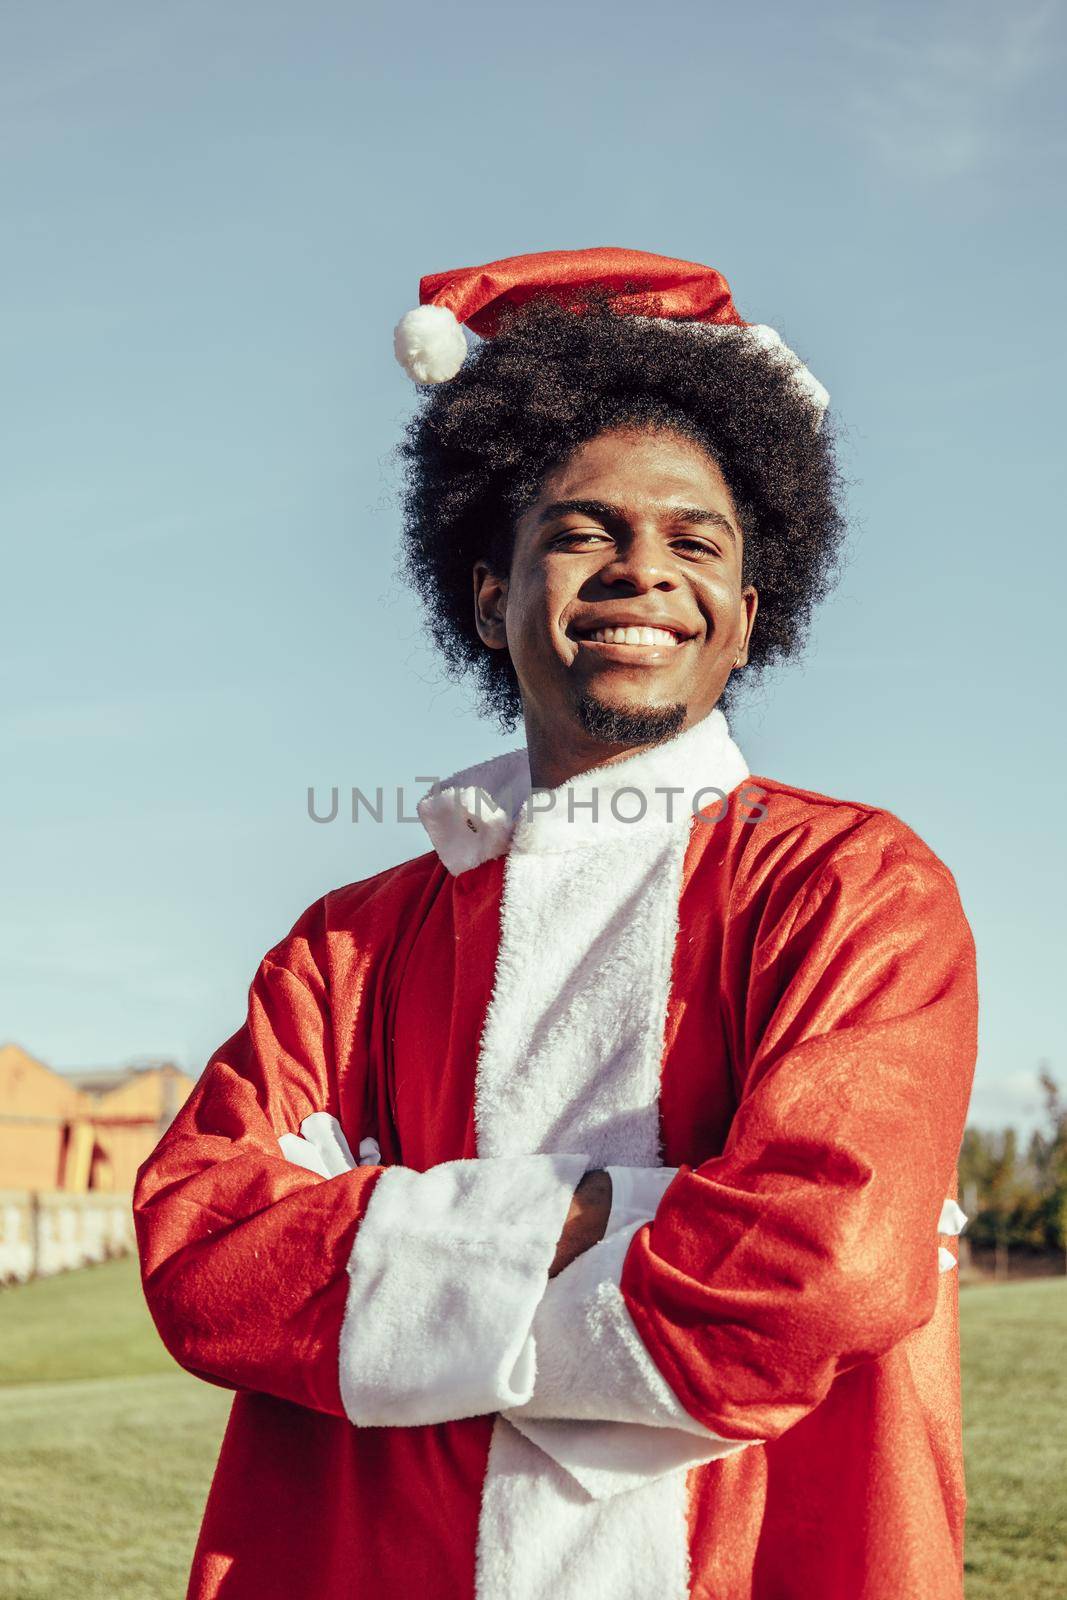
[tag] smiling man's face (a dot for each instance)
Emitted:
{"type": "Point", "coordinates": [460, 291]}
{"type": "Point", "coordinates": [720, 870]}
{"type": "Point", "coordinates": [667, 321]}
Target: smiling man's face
{"type": "Point", "coordinates": [624, 611]}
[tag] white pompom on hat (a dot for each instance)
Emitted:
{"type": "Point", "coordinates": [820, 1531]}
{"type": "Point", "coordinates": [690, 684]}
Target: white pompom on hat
{"type": "Point", "coordinates": [430, 343]}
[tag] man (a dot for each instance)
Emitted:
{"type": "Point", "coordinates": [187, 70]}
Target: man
{"type": "Point", "coordinates": [657, 1071]}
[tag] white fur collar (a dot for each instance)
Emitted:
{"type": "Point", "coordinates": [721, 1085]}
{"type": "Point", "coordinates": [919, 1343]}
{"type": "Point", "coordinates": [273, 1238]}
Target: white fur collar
{"type": "Point", "coordinates": [486, 809]}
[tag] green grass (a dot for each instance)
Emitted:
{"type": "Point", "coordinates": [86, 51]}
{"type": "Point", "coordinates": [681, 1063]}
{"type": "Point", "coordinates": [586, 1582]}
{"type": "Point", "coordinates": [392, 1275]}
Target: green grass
{"type": "Point", "coordinates": [107, 1448]}
{"type": "Point", "coordinates": [1015, 1435]}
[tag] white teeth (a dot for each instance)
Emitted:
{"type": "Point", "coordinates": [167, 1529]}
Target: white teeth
{"type": "Point", "coordinates": [660, 636]}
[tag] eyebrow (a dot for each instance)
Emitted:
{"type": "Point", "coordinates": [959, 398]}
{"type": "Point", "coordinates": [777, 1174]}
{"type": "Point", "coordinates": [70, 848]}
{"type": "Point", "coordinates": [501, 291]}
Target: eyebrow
{"type": "Point", "coordinates": [609, 515]}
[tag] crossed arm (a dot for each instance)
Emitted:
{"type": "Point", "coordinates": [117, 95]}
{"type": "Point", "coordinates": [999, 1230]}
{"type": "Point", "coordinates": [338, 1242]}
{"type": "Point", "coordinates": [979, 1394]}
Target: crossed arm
{"type": "Point", "coordinates": [463, 1301]}
{"type": "Point", "coordinates": [396, 1297]}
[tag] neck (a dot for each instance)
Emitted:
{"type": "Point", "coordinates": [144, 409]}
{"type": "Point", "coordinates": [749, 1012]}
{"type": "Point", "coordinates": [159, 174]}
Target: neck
{"type": "Point", "coordinates": [558, 754]}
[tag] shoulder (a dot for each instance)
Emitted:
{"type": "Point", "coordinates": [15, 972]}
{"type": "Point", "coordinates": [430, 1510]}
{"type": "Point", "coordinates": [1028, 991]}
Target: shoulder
{"type": "Point", "coordinates": [823, 819]}
{"type": "Point", "coordinates": [816, 840]}
{"type": "Point", "coordinates": [389, 893]}
{"type": "Point", "coordinates": [362, 916]}
{"type": "Point", "coordinates": [855, 887]}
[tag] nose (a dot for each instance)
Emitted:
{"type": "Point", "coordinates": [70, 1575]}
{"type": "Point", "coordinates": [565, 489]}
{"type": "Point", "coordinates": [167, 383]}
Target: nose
{"type": "Point", "coordinates": [640, 563]}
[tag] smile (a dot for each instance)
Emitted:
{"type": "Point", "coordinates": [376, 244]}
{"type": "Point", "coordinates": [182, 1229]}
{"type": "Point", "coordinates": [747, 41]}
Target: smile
{"type": "Point", "coordinates": [633, 636]}
{"type": "Point", "coordinates": [629, 645]}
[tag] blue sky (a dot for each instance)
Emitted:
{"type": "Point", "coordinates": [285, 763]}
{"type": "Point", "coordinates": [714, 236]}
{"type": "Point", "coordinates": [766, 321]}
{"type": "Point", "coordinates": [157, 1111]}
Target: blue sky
{"type": "Point", "coordinates": [215, 214]}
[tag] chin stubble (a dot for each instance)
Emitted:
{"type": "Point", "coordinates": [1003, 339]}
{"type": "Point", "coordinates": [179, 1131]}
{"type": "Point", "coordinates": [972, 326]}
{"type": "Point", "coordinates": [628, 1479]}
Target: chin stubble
{"type": "Point", "coordinates": [634, 725]}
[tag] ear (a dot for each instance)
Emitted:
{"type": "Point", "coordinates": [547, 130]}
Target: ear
{"type": "Point", "coordinates": [746, 623]}
{"type": "Point", "coordinates": [490, 606]}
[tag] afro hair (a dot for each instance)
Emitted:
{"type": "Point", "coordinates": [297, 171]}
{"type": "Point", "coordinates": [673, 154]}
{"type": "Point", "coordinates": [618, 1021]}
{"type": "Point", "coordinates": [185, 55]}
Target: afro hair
{"type": "Point", "coordinates": [480, 447]}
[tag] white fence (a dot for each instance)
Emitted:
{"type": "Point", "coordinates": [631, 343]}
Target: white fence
{"type": "Point", "coordinates": [45, 1232]}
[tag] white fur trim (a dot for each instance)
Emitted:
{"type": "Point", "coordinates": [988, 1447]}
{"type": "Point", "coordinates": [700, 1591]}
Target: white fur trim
{"type": "Point", "coordinates": [592, 1365]}
{"type": "Point", "coordinates": [591, 1362]}
{"type": "Point", "coordinates": [429, 344]}
{"type": "Point", "coordinates": [766, 338]}
{"type": "Point", "coordinates": [629, 802]}
{"type": "Point", "coordinates": [610, 1458]}
{"type": "Point", "coordinates": [542, 1535]}
{"type": "Point", "coordinates": [806, 382]}
{"type": "Point", "coordinates": [571, 1051]}
{"type": "Point", "coordinates": [446, 1272]}
{"type": "Point", "coordinates": [469, 818]}
{"type": "Point", "coordinates": [571, 1058]}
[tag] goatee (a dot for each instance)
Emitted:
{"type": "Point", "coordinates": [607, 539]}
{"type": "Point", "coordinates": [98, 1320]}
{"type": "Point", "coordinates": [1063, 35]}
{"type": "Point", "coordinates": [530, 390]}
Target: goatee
{"type": "Point", "coordinates": [628, 725]}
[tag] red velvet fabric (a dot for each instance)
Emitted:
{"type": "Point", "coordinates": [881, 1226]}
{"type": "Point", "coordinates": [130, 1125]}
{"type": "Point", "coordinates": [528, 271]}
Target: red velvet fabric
{"type": "Point", "coordinates": [818, 1055]}
{"type": "Point", "coordinates": [638, 283]}
{"type": "Point", "coordinates": [788, 1288]}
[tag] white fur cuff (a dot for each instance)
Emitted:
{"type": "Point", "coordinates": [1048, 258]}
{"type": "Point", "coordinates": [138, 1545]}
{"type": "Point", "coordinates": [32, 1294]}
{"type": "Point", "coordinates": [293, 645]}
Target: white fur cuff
{"type": "Point", "coordinates": [600, 1407]}
{"type": "Point", "coordinates": [446, 1272]}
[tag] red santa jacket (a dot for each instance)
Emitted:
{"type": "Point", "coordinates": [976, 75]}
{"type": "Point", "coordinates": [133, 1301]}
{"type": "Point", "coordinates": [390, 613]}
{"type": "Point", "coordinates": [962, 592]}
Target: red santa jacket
{"type": "Point", "coordinates": [757, 1007]}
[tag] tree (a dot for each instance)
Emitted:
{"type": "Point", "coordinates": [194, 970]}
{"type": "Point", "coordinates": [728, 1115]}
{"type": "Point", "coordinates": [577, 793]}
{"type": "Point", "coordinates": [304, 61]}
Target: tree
{"type": "Point", "coordinates": [1018, 1201]}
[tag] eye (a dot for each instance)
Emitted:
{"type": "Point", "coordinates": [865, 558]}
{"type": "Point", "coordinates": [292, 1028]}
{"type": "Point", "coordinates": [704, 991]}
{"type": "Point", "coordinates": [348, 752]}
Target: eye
{"type": "Point", "coordinates": [698, 547]}
{"type": "Point", "coordinates": [570, 537]}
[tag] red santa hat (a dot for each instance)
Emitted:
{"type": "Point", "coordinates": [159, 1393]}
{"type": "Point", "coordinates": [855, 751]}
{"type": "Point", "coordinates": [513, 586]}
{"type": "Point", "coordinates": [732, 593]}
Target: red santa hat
{"type": "Point", "coordinates": [431, 347]}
